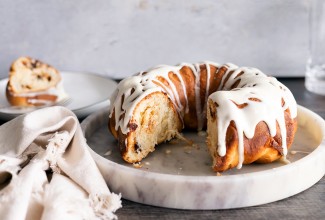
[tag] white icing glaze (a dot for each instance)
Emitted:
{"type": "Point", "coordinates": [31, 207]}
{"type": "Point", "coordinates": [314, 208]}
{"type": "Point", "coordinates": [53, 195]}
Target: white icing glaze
{"type": "Point", "coordinates": [253, 84]}
{"type": "Point", "coordinates": [57, 90]}
{"type": "Point", "coordinates": [197, 71]}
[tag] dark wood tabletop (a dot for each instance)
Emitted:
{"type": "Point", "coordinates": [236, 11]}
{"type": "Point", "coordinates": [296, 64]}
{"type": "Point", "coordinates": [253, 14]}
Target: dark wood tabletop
{"type": "Point", "coordinates": [309, 204]}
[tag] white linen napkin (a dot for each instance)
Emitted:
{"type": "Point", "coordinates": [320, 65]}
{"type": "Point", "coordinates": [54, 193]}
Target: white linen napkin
{"type": "Point", "coordinates": [47, 172]}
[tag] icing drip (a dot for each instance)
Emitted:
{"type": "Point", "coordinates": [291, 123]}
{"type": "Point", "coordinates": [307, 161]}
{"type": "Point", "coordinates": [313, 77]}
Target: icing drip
{"type": "Point", "coordinates": [142, 87]}
{"type": "Point", "coordinates": [245, 96]}
{"type": "Point", "coordinates": [206, 95]}
{"type": "Point", "coordinates": [201, 112]}
{"type": "Point", "coordinates": [196, 71]}
{"type": "Point", "coordinates": [133, 89]}
{"type": "Point", "coordinates": [248, 104]}
{"type": "Point", "coordinates": [57, 91]}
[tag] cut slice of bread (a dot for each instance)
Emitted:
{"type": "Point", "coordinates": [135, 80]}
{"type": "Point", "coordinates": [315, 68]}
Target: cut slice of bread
{"type": "Point", "coordinates": [32, 83]}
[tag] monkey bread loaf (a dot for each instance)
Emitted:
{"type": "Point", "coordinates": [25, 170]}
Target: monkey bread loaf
{"type": "Point", "coordinates": [249, 116]}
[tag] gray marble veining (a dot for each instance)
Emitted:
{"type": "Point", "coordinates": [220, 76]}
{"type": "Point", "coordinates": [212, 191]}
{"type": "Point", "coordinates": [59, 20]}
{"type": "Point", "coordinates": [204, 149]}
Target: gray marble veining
{"type": "Point", "coordinates": [177, 175]}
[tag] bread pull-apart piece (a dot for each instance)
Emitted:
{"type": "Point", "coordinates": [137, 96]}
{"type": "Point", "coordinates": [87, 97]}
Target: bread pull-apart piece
{"type": "Point", "coordinates": [33, 83]}
{"type": "Point", "coordinates": [239, 149]}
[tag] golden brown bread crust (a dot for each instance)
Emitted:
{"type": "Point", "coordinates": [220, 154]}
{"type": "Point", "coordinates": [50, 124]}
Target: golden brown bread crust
{"type": "Point", "coordinates": [262, 148]}
{"type": "Point", "coordinates": [190, 117]}
{"type": "Point", "coordinates": [128, 144]}
{"type": "Point", "coordinates": [29, 65]}
{"type": "Point", "coordinates": [25, 101]}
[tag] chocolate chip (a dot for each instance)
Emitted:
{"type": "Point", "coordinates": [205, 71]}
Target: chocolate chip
{"type": "Point", "coordinates": [133, 126]}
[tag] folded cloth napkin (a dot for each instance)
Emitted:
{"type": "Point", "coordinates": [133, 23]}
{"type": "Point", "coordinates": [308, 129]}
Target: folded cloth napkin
{"type": "Point", "coordinates": [47, 172]}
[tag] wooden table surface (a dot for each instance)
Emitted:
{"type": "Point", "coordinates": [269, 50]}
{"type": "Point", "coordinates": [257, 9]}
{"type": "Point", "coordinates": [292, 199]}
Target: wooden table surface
{"type": "Point", "coordinates": [309, 204]}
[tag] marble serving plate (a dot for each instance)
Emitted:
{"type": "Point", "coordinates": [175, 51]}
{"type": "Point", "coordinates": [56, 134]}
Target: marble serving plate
{"type": "Point", "coordinates": [178, 175]}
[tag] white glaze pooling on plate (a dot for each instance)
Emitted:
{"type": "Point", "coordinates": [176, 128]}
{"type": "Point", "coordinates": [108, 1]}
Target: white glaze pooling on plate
{"type": "Point", "coordinates": [168, 179]}
{"type": "Point", "coordinates": [57, 90]}
{"type": "Point", "coordinates": [252, 84]}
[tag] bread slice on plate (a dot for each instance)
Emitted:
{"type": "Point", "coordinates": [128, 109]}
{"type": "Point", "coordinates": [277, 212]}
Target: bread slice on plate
{"type": "Point", "coordinates": [33, 83]}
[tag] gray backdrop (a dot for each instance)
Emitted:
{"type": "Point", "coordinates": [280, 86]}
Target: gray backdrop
{"type": "Point", "coordinates": [117, 38]}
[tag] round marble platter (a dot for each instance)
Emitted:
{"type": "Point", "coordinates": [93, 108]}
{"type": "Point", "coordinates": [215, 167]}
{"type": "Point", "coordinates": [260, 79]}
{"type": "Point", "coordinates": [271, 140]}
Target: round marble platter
{"type": "Point", "coordinates": [178, 175]}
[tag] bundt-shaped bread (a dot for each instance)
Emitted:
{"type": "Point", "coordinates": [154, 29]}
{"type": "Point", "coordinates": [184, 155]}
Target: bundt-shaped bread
{"type": "Point", "coordinates": [249, 116]}
{"type": "Point", "coordinates": [33, 83]}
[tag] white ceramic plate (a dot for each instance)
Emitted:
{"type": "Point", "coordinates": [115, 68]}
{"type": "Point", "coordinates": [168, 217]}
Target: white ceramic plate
{"type": "Point", "coordinates": [180, 176]}
{"type": "Point", "coordinates": [88, 93]}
